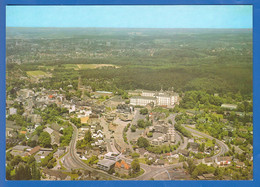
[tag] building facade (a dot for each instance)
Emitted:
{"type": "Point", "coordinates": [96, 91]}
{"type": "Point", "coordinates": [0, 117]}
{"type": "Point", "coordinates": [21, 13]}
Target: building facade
{"type": "Point", "coordinates": [160, 98]}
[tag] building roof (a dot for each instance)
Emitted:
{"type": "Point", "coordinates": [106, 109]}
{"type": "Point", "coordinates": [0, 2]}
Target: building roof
{"type": "Point", "coordinates": [48, 130]}
{"type": "Point", "coordinates": [55, 126]}
{"type": "Point", "coordinates": [111, 154]}
{"type": "Point", "coordinates": [11, 124]}
{"type": "Point", "coordinates": [208, 160]}
{"type": "Point", "coordinates": [106, 162]}
{"type": "Point", "coordinates": [57, 174]}
{"type": "Point", "coordinates": [84, 119]}
{"type": "Point", "coordinates": [240, 164]}
{"type": "Point", "coordinates": [23, 132]}
{"type": "Point", "coordinates": [232, 106]}
{"type": "Point", "coordinates": [224, 158]}
{"type": "Point", "coordinates": [143, 97]}
{"type": "Point", "coordinates": [20, 147]}
{"type": "Point", "coordinates": [34, 150]}
{"type": "Point", "coordinates": [201, 177]}
{"type": "Point", "coordinates": [183, 151]}
{"type": "Point", "coordinates": [208, 175]}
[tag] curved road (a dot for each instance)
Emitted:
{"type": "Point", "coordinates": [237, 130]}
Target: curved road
{"type": "Point", "coordinates": [223, 147]}
{"type": "Point", "coordinates": [72, 160]}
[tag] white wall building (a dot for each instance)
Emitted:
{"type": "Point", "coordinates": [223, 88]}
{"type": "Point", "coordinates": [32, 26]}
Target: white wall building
{"type": "Point", "coordinates": [158, 98]}
{"type": "Point", "coordinates": [142, 100]}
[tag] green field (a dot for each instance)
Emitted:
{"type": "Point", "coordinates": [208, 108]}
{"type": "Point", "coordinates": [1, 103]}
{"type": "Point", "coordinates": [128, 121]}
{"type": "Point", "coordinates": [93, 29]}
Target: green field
{"type": "Point", "coordinates": [87, 66]}
{"type": "Point", "coordinates": [36, 73]}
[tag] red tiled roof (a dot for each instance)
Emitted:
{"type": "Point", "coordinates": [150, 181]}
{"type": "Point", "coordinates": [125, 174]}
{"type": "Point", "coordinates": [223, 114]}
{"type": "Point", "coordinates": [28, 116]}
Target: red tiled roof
{"type": "Point", "coordinates": [34, 150]}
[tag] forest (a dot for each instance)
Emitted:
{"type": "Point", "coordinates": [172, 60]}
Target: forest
{"type": "Point", "coordinates": [211, 60]}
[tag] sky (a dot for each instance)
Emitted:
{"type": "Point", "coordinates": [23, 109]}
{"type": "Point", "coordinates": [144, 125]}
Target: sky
{"type": "Point", "coordinates": [152, 16]}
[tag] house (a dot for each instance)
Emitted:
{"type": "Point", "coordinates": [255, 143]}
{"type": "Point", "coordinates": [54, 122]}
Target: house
{"type": "Point", "coordinates": [223, 161]}
{"type": "Point", "coordinates": [20, 150]}
{"type": "Point", "coordinates": [112, 156]}
{"type": "Point", "coordinates": [84, 120]}
{"type": "Point", "coordinates": [194, 146]}
{"type": "Point", "coordinates": [240, 164]}
{"type": "Point", "coordinates": [34, 150]}
{"type": "Point", "coordinates": [201, 177]}
{"type": "Point", "coordinates": [184, 152]}
{"type": "Point", "coordinates": [161, 128]}
{"type": "Point", "coordinates": [55, 127]}
{"type": "Point", "coordinates": [23, 132]}
{"type": "Point", "coordinates": [208, 161]}
{"type": "Point", "coordinates": [54, 175]}
{"type": "Point", "coordinates": [55, 138]}
{"type": "Point", "coordinates": [106, 164]}
{"type": "Point", "coordinates": [12, 111]}
{"type": "Point", "coordinates": [209, 176]}
{"type": "Point", "coordinates": [41, 155]}
{"type": "Point", "coordinates": [229, 106]}
{"type": "Point", "coordinates": [122, 167]}
{"type": "Point", "coordinates": [59, 153]}
{"type": "Point", "coordinates": [48, 130]}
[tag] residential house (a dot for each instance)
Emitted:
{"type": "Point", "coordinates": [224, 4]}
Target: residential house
{"type": "Point", "coordinates": [194, 147]}
{"type": "Point", "coordinates": [54, 175]}
{"type": "Point", "coordinates": [209, 176]}
{"type": "Point", "coordinates": [223, 161]}
{"type": "Point", "coordinates": [41, 155]}
{"type": "Point", "coordinates": [33, 151]}
{"type": "Point", "coordinates": [184, 152]}
{"type": "Point", "coordinates": [112, 156]}
{"type": "Point", "coordinates": [208, 161]}
{"type": "Point", "coordinates": [106, 164]}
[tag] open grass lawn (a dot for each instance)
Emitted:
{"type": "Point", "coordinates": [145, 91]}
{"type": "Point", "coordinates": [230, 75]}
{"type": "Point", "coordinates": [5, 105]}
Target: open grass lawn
{"type": "Point", "coordinates": [36, 73]}
{"type": "Point", "coordinates": [87, 66]}
{"type": "Point", "coordinates": [142, 160]}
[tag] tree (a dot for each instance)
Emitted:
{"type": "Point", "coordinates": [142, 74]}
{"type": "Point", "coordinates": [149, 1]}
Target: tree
{"type": "Point", "coordinates": [16, 160]}
{"type": "Point", "coordinates": [88, 137]}
{"type": "Point", "coordinates": [135, 155]}
{"type": "Point", "coordinates": [36, 175]}
{"type": "Point", "coordinates": [191, 166]}
{"type": "Point", "coordinates": [8, 172]}
{"type": "Point", "coordinates": [144, 111]}
{"type": "Point", "coordinates": [92, 160]}
{"type": "Point", "coordinates": [141, 123]}
{"type": "Point", "coordinates": [135, 166]}
{"type": "Point", "coordinates": [133, 128]}
{"type": "Point", "coordinates": [9, 156]}
{"type": "Point", "coordinates": [23, 173]}
{"type": "Point", "coordinates": [45, 139]}
{"type": "Point", "coordinates": [149, 134]}
{"type": "Point", "coordinates": [143, 142]}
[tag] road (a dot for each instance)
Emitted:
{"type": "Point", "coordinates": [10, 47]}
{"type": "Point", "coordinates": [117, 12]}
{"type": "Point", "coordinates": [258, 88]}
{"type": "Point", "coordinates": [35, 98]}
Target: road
{"type": "Point", "coordinates": [72, 160]}
{"type": "Point", "coordinates": [155, 170]}
{"type": "Point", "coordinates": [223, 147]}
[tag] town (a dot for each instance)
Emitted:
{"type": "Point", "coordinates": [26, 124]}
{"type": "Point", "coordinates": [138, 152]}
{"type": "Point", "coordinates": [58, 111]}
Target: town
{"type": "Point", "coordinates": [62, 124]}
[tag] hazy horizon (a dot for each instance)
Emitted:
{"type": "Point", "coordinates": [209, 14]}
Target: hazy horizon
{"type": "Point", "coordinates": [132, 16]}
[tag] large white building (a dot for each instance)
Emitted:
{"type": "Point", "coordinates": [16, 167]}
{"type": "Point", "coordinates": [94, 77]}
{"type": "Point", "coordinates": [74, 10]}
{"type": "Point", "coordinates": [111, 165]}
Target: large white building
{"type": "Point", "coordinates": [142, 100]}
{"type": "Point", "coordinates": [160, 98]}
